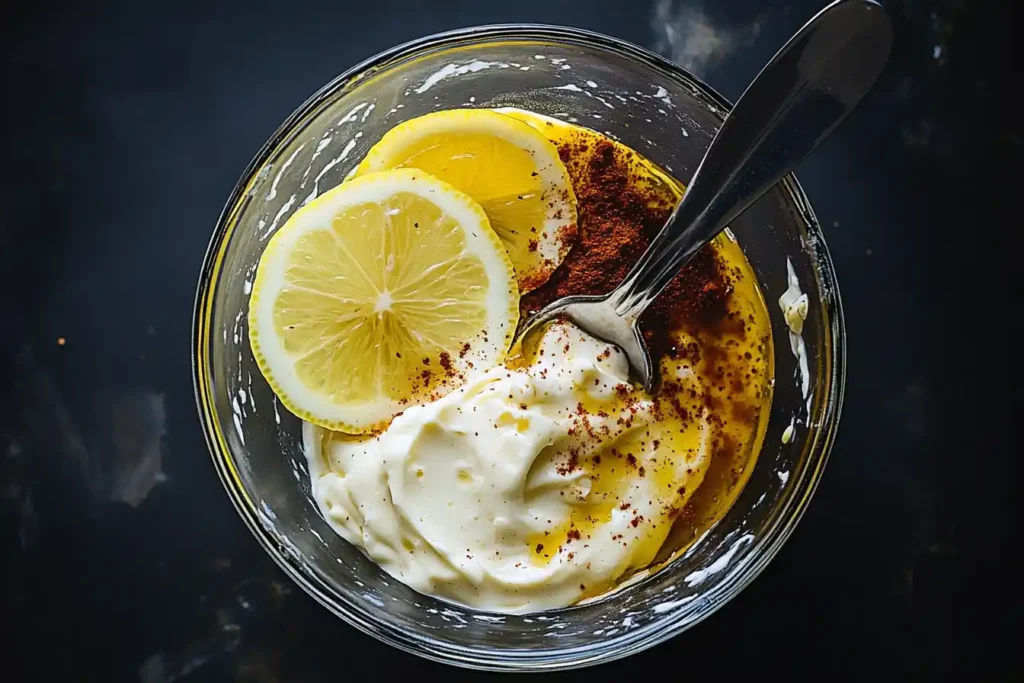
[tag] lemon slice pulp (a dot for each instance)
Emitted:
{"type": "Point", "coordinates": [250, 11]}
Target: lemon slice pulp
{"type": "Point", "coordinates": [387, 291]}
{"type": "Point", "coordinates": [510, 168]}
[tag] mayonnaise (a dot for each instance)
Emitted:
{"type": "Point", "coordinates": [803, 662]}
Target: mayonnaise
{"type": "Point", "coordinates": [526, 489]}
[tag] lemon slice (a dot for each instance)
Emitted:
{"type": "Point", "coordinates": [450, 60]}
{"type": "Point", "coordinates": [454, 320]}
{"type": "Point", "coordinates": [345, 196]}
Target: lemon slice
{"type": "Point", "coordinates": [507, 166]}
{"type": "Point", "coordinates": [387, 291]}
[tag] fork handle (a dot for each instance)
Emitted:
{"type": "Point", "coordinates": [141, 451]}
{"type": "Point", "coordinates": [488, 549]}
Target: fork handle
{"type": "Point", "coordinates": [803, 93]}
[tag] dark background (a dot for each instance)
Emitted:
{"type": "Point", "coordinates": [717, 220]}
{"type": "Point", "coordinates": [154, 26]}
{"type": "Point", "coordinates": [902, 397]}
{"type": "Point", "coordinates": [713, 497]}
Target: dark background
{"type": "Point", "coordinates": [126, 127]}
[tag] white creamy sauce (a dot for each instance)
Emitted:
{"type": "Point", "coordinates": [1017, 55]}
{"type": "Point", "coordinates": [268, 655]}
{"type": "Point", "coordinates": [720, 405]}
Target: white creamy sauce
{"type": "Point", "coordinates": [453, 496]}
{"type": "Point", "coordinates": [450, 70]}
{"type": "Point", "coordinates": [794, 305]}
{"type": "Point", "coordinates": [720, 564]}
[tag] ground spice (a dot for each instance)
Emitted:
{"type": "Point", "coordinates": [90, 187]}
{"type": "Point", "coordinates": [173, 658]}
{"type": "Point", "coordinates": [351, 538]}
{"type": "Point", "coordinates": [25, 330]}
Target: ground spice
{"type": "Point", "coordinates": [570, 464]}
{"type": "Point", "coordinates": [621, 207]}
{"type": "Point", "coordinates": [618, 215]}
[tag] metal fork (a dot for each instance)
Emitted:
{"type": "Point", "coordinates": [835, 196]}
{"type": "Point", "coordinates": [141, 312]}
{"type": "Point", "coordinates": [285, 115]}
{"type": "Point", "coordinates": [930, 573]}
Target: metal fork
{"type": "Point", "coordinates": [803, 93]}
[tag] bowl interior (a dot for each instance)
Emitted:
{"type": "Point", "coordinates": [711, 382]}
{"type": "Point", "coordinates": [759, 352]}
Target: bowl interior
{"type": "Point", "coordinates": [614, 88]}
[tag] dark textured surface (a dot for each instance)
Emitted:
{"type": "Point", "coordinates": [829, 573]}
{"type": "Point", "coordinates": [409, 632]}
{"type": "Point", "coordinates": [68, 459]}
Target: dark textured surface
{"type": "Point", "coordinates": [127, 125]}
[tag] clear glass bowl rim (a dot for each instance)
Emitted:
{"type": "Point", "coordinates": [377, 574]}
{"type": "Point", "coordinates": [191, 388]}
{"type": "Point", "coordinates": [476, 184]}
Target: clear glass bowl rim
{"type": "Point", "coordinates": [763, 550]}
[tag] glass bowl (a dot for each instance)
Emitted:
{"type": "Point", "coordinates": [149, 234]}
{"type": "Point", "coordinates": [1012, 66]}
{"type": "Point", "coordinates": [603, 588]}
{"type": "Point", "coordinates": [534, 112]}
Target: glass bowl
{"type": "Point", "coordinates": [651, 105]}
